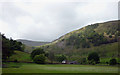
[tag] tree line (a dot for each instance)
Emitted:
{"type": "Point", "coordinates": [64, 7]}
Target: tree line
{"type": "Point", "coordinates": [9, 46]}
{"type": "Point", "coordinates": [39, 56]}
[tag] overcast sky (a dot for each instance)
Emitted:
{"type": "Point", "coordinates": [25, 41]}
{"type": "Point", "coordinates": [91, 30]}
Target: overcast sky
{"type": "Point", "coordinates": [46, 21]}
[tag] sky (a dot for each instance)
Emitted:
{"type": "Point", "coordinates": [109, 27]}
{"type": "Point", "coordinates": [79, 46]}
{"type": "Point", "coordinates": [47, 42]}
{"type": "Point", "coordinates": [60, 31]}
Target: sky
{"type": "Point", "coordinates": [47, 20]}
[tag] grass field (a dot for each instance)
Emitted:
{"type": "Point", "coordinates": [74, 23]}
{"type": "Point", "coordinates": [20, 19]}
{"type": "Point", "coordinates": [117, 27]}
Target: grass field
{"type": "Point", "coordinates": [20, 56]}
{"type": "Point", "coordinates": [63, 68]}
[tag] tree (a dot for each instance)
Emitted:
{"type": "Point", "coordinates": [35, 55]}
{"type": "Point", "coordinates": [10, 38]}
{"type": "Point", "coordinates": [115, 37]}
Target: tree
{"type": "Point", "coordinates": [46, 53]}
{"type": "Point", "coordinates": [15, 45]}
{"type": "Point", "coordinates": [82, 61]}
{"type": "Point", "coordinates": [51, 56]}
{"type": "Point", "coordinates": [8, 47]}
{"type": "Point", "coordinates": [60, 58]}
{"type": "Point", "coordinates": [113, 62]}
{"type": "Point", "coordinates": [94, 57]}
{"type": "Point", "coordinates": [39, 59]}
{"type": "Point", "coordinates": [37, 51]}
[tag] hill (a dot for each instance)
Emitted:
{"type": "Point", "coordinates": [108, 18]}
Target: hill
{"type": "Point", "coordinates": [20, 57]}
{"type": "Point", "coordinates": [100, 37]}
{"type": "Point", "coordinates": [32, 43]}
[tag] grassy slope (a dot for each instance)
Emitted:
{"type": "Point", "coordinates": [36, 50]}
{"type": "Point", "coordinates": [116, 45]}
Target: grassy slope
{"type": "Point", "coordinates": [20, 56]}
{"type": "Point", "coordinates": [107, 27]}
{"type": "Point", "coordinates": [109, 50]}
{"type": "Point", "coordinates": [106, 52]}
{"type": "Point", "coordinates": [35, 68]}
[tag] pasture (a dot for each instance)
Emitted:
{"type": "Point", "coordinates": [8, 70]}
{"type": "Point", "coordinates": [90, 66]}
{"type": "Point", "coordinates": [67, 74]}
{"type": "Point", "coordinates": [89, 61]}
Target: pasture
{"type": "Point", "coordinates": [59, 68]}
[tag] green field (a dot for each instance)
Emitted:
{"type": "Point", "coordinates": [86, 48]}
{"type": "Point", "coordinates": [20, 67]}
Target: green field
{"type": "Point", "coordinates": [20, 57]}
{"type": "Point", "coordinates": [61, 68]}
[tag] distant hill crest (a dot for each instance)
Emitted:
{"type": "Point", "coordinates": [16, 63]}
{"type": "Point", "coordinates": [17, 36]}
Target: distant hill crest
{"type": "Point", "coordinates": [32, 43]}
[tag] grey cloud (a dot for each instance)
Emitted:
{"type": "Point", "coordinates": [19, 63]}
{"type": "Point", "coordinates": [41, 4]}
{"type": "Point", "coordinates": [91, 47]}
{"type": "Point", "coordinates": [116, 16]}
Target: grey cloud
{"type": "Point", "coordinates": [51, 20]}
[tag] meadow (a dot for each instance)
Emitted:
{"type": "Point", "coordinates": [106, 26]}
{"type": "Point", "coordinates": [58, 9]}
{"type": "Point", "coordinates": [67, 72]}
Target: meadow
{"type": "Point", "coordinates": [58, 68]}
{"type": "Point", "coordinates": [30, 68]}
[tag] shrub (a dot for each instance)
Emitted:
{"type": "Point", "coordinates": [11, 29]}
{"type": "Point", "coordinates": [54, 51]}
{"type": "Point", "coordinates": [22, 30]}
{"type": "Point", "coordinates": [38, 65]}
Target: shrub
{"type": "Point", "coordinates": [39, 59]}
{"type": "Point", "coordinates": [107, 62]}
{"type": "Point", "coordinates": [51, 56]}
{"type": "Point", "coordinates": [82, 61]}
{"type": "Point", "coordinates": [60, 58]}
{"type": "Point", "coordinates": [113, 62]}
{"type": "Point", "coordinates": [15, 60]}
{"type": "Point", "coordinates": [94, 57]}
{"type": "Point", "coordinates": [92, 62]}
{"type": "Point", "coordinates": [37, 51]}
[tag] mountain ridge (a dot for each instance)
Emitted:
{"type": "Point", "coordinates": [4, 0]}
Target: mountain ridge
{"type": "Point", "coordinates": [31, 42]}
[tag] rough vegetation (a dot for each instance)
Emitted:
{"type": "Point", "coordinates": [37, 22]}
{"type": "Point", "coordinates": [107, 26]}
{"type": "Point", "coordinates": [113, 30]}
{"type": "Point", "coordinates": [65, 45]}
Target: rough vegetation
{"type": "Point", "coordinates": [39, 59]}
{"type": "Point", "coordinates": [9, 46]}
{"type": "Point", "coordinates": [101, 38]}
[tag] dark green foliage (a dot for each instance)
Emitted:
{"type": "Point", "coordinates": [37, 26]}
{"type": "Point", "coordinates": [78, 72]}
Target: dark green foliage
{"type": "Point", "coordinates": [82, 61]}
{"type": "Point", "coordinates": [70, 40]}
{"type": "Point", "coordinates": [96, 39]}
{"type": "Point", "coordinates": [8, 47]}
{"type": "Point", "coordinates": [16, 45]}
{"type": "Point", "coordinates": [113, 62]}
{"type": "Point", "coordinates": [85, 44]}
{"type": "Point", "coordinates": [39, 59]}
{"type": "Point", "coordinates": [51, 56]}
{"type": "Point", "coordinates": [110, 36]}
{"type": "Point", "coordinates": [60, 58]}
{"type": "Point", "coordinates": [37, 51]}
{"type": "Point", "coordinates": [46, 54]}
{"type": "Point", "coordinates": [92, 26]}
{"type": "Point", "coordinates": [84, 39]}
{"type": "Point", "coordinates": [107, 62]}
{"type": "Point", "coordinates": [15, 60]}
{"type": "Point", "coordinates": [94, 57]}
{"type": "Point", "coordinates": [77, 42]}
{"type": "Point", "coordinates": [92, 62]}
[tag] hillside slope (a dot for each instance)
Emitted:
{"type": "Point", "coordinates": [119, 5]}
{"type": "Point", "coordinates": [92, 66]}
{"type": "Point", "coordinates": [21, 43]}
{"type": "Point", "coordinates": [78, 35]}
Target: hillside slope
{"type": "Point", "coordinates": [20, 57]}
{"type": "Point", "coordinates": [99, 37]}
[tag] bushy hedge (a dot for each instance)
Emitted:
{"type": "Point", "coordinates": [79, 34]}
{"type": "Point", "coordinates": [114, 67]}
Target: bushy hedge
{"type": "Point", "coordinates": [113, 62]}
{"type": "Point", "coordinates": [94, 57]}
{"type": "Point", "coordinates": [37, 51]}
{"type": "Point", "coordinates": [39, 59]}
